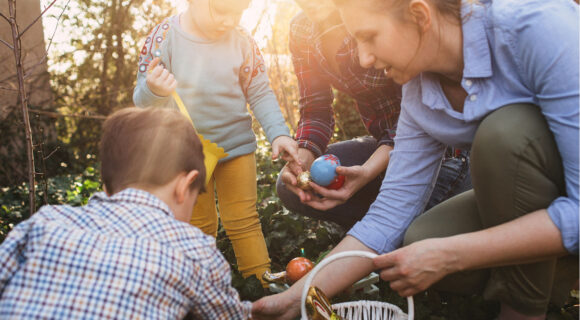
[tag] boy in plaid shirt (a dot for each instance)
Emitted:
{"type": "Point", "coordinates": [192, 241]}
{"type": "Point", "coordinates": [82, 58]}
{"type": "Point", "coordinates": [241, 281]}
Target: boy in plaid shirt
{"type": "Point", "coordinates": [130, 252]}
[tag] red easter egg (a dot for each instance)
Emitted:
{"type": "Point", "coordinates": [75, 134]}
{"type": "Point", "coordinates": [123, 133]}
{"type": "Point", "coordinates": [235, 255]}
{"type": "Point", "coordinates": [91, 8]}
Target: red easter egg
{"type": "Point", "coordinates": [336, 183]}
{"type": "Point", "coordinates": [297, 268]}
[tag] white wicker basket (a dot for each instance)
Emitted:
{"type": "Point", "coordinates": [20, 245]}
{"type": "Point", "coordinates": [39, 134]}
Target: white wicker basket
{"type": "Point", "coordinates": [357, 310]}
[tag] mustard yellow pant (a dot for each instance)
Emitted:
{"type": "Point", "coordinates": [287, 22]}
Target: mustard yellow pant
{"type": "Point", "coordinates": [235, 185]}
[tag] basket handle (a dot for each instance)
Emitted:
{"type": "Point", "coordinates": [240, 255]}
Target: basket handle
{"type": "Point", "coordinates": [341, 255]}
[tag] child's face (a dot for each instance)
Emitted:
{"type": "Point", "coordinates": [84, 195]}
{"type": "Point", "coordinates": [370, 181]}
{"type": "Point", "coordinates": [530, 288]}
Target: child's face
{"type": "Point", "coordinates": [216, 17]}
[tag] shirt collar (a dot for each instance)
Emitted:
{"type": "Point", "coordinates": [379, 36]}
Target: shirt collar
{"type": "Point", "coordinates": [476, 52]}
{"type": "Point", "coordinates": [134, 196]}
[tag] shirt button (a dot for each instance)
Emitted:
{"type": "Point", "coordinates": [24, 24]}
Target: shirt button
{"type": "Point", "coordinates": [473, 97]}
{"type": "Point", "coordinates": [468, 83]}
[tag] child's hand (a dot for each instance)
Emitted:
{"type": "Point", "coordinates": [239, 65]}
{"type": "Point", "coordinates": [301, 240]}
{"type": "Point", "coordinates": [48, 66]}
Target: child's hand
{"type": "Point", "coordinates": [286, 148]}
{"type": "Point", "coordinates": [160, 81]}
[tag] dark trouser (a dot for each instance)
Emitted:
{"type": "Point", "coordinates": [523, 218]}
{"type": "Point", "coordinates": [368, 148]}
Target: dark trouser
{"type": "Point", "coordinates": [453, 179]}
{"type": "Point", "coordinates": [516, 169]}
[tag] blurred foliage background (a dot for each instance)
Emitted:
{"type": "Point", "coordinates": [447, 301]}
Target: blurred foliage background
{"type": "Point", "coordinates": [92, 74]}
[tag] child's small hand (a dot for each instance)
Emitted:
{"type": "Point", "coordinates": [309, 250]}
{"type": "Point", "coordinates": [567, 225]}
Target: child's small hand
{"type": "Point", "coordinates": [285, 148]}
{"type": "Point", "coordinates": [160, 81]}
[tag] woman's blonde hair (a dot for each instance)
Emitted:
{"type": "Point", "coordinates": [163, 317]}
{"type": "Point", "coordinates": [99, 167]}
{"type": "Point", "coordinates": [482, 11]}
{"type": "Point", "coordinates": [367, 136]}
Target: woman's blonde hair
{"type": "Point", "coordinates": [446, 7]}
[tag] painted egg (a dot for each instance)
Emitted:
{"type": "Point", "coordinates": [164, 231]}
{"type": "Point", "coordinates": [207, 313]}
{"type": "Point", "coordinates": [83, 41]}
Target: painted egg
{"type": "Point", "coordinates": [336, 183]}
{"type": "Point", "coordinates": [323, 169]}
{"type": "Point", "coordinates": [304, 180]}
{"type": "Point", "coordinates": [298, 268]}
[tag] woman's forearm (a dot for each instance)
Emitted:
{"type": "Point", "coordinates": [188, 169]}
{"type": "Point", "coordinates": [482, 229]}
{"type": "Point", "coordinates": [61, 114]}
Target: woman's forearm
{"type": "Point", "coordinates": [340, 274]}
{"type": "Point", "coordinates": [530, 238]}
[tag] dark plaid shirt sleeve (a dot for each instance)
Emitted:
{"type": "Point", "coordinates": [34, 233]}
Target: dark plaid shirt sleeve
{"type": "Point", "coordinates": [316, 122]}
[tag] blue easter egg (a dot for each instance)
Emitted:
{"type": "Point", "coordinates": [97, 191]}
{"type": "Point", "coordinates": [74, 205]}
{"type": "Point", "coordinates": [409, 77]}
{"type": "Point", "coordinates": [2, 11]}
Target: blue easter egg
{"type": "Point", "coordinates": [323, 169]}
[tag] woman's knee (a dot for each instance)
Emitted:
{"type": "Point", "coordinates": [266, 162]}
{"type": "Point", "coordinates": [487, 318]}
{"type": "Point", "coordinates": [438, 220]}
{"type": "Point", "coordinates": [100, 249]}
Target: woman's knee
{"type": "Point", "coordinates": [514, 159]}
{"type": "Point", "coordinates": [509, 130]}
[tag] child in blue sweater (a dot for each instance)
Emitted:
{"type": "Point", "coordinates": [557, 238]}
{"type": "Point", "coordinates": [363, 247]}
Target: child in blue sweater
{"type": "Point", "coordinates": [218, 70]}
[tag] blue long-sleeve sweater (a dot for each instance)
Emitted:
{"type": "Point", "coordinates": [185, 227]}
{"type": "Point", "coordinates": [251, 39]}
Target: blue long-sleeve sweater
{"type": "Point", "coordinates": [217, 80]}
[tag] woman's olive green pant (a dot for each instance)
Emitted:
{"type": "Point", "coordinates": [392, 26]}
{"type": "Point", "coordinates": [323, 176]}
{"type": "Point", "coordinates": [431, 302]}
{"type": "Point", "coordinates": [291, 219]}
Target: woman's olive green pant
{"type": "Point", "coordinates": [515, 169]}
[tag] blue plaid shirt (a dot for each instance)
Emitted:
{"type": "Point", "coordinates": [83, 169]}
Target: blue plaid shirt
{"type": "Point", "coordinates": [118, 257]}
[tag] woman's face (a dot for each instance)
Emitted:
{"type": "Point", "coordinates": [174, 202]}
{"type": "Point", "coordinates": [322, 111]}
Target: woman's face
{"type": "Point", "coordinates": [317, 10]}
{"type": "Point", "coordinates": [386, 40]}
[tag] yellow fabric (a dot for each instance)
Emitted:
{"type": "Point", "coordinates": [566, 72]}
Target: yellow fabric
{"type": "Point", "coordinates": [211, 152]}
{"type": "Point", "coordinates": [235, 185]}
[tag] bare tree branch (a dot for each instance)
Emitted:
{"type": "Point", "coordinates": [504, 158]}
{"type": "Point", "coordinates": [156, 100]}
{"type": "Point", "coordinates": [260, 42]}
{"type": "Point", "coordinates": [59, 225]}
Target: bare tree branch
{"type": "Point", "coordinates": [50, 154]}
{"type": "Point", "coordinates": [8, 89]}
{"type": "Point", "coordinates": [7, 44]}
{"type": "Point", "coordinates": [5, 18]}
{"type": "Point", "coordinates": [34, 21]}
{"type": "Point", "coordinates": [45, 56]}
{"type": "Point", "coordinates": [56, 25]}
{"type": "Point", "coordinates": [72, 115]}
{"type": "Point", "coordinates": [17, 50]}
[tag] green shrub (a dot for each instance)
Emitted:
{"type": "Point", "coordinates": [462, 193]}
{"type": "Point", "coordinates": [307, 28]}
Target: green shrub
{"type": "Point", "coordinates": [286, 234]}
{"type": "Point", "coordinates": [72, 189]}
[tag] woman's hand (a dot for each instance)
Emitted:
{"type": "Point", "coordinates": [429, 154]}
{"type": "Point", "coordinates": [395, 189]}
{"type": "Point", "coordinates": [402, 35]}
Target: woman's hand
{"type": "Point", "coordinates": [159, 80]}
{"type": "Point", "coordinates": [416, 267]}
{"type": "Point", "coordinates": [355, 178]}
{"type": "Point", "coordinates": [530, 238]}
{"type": "Point", "coordinates": [279, 306]}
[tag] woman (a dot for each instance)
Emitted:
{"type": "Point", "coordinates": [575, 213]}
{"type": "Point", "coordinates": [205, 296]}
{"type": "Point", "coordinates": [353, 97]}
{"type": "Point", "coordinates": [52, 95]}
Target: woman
{"type": "Point", "coordinates": [325, 57]}
{"type": "Point", "coordinates": [503, 79]}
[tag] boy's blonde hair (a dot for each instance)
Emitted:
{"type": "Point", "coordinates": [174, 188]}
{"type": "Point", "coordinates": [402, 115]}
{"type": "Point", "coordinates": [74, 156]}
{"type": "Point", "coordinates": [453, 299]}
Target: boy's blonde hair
{"type": "Point", "coordinates": [148, 148]}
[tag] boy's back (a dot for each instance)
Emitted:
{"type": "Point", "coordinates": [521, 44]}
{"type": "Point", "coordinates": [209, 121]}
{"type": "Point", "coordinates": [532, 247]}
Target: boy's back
{"type": "Point", "coordinates": [129, 253]}
{"type": "Point", "coordinates": [123, 256]}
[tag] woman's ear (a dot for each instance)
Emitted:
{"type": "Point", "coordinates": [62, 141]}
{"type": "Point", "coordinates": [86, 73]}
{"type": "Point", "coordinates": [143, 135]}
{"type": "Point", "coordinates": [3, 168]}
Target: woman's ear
{"type": "Point", "coordinates": [420, 11]}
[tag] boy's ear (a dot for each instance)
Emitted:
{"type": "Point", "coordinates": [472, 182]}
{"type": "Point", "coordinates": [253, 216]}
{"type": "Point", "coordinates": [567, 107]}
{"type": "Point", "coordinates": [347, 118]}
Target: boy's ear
{"type": "Point", "coordinates": [184, 182]}
{"type": "Point", "coordinates": [105, 189]}
{"type": "Point", "coordinates": [421, 13]}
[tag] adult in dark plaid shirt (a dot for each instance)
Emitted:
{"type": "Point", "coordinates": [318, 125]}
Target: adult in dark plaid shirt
{"type": "Point", "coordinates": [325, 57]}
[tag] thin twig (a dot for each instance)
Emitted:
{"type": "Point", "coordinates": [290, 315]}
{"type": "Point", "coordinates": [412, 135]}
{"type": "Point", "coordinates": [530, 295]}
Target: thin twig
{"type": "Point", "coordinates": [289, 112]}
{"type": "Point", "coordinates": [7, 44]}
{"type": "Point", "coordinates": [60, 115]}
{"type": "Point", "coordinates": [43, 162]}
{"type": "Point", "coordinates": [45, 56]}
{"type": "Point", "coordinates": [259, 21]}
{"type": "Point", "coordinates": [5, 18]}
{"type": "Point", "coordinates": [34, 21]}
{"type": "Point", "coordinates": [50, 154]}
{"type": "Point", "coordinates": [8, 89]}
{"type": "Point", "coordinates": [56, 26]}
